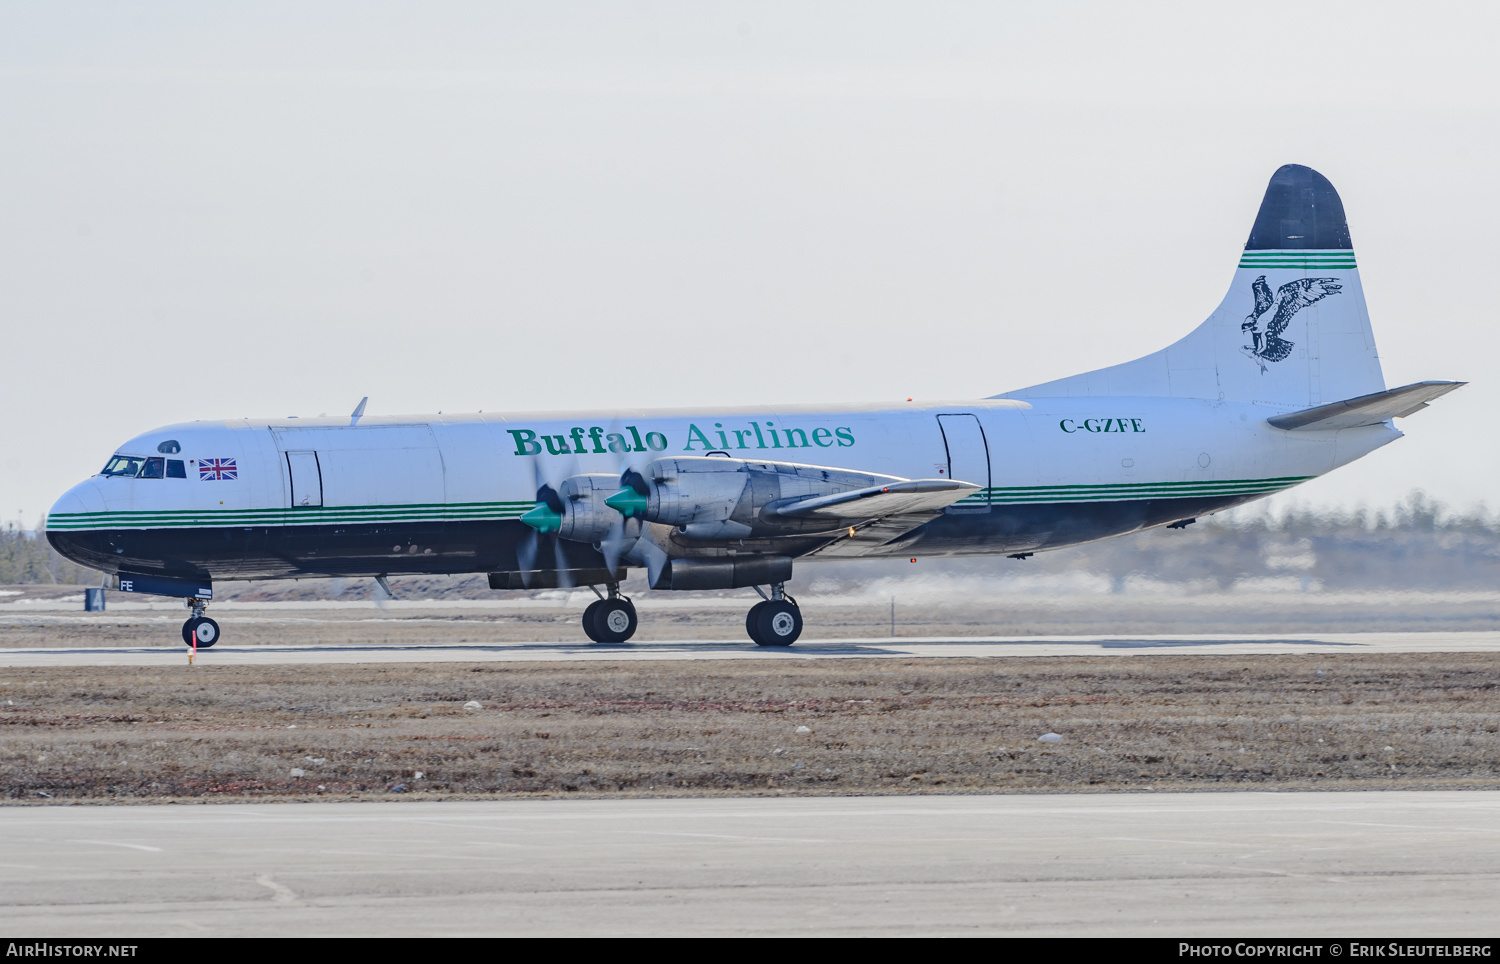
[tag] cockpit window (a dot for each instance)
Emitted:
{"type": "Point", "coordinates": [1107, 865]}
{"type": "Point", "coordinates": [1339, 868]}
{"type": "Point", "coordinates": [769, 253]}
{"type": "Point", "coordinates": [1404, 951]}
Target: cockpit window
{"type": "Point", "coordinates": [169, 447]}
{"type": "Point", "coordinates": [153, 469]}
{"type": "Point", "coordinates": [175, 469]}
{"type": "Point", "coordinates": [124, 466]}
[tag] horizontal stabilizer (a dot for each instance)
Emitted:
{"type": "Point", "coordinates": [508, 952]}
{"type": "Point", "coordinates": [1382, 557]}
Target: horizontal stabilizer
{"type": "Point", "coordinates": [1366, 409]}
{"type": "Point", "coordinates": [877, 501]}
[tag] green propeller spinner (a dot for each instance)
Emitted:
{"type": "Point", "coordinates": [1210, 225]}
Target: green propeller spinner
{"type": "Point", "coordinates": [546, 515]}
{"type": "Point", "coordinates": [630, 501]}
{"type": "Point", "coordinates": [542, 518]}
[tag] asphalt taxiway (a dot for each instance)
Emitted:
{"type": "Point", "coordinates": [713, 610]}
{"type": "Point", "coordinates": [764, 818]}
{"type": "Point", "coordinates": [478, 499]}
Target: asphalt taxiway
{"type": "Point", "coordinates": [879, 647]}
{"type": "Point", "coordinates": [1391, 863]}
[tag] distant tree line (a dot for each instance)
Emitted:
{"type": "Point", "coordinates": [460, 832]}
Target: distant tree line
{"type": "Point", "coordinates": [1417, 544]}
{"type": "Point", "coordinates": [27, 557]}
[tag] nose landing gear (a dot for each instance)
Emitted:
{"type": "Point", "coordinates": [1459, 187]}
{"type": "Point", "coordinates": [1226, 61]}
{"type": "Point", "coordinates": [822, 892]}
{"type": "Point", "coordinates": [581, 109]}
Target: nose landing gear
{"type": "Point", "coordinates": [776, 621]}
{"type": "Point", "coordinates": [199, 626]}
{"type": "Point", "coordinates": [610, 619]}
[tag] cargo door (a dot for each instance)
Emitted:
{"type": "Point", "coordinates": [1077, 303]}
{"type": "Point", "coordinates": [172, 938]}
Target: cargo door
{"type": "Point", "coordinates": [366, 465]}
{"type": "Point", "coordinates": [968, 456]}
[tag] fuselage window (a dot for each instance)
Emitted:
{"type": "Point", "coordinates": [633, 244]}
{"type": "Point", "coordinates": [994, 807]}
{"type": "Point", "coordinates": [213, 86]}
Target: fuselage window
{"type": "Point", "coordinates": [154, 469]}
{"type": "Point", "coordinates": [175, 469]}
{"type": "Point", "coordinates": [169, 447]}
{"type": "Point", "coordinates": [124, 466]}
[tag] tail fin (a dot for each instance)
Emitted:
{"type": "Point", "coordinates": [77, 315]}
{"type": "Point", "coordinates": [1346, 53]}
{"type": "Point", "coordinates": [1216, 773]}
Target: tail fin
{"type": "Point", "coordinates": [1293, 329]}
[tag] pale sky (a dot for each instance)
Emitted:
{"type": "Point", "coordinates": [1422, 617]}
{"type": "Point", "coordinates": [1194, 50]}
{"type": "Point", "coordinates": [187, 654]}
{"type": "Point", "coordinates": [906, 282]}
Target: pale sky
{"type": "Point", "coordinates": [215, 210]}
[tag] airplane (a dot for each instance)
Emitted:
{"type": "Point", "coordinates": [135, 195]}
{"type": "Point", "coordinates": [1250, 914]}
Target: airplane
{"type": "Point", "coordinates": [1280, 385]}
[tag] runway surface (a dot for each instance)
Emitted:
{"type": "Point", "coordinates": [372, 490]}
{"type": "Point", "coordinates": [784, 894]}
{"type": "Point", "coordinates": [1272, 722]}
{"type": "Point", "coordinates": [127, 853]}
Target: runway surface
{"type": "Point", "coordinates": [1184, 645]}
{"type": "Point", "coordinates": [1395, 863]}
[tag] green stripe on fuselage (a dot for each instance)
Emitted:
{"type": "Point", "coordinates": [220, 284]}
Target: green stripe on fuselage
{"type": "Point", "coordinates": [310, 515]}
{"type": "Point", "coordinates": [484, 511]}
{"type": "Point", "coordinates": [1129, 491]}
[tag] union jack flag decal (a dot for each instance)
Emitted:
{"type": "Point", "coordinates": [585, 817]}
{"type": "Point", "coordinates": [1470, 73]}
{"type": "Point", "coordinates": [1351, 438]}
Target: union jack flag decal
{"type": "Point", "coordinates": [214, 470]}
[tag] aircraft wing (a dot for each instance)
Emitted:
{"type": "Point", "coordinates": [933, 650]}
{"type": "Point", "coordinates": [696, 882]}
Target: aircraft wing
{"type": "Point", "coordinates": [1366, 409]}
{"type": "Point", "coordinates": [876, 516]}
{"type": "Point", "coordinates": [911, 497]}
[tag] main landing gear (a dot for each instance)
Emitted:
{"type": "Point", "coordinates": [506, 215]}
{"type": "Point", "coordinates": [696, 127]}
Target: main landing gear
{"type": "Point", "coordinates": [610, 619]}
{"type": "Point", "coordinates": [199, 626]}
{"type": "Point", "coordinates": [776, 620]}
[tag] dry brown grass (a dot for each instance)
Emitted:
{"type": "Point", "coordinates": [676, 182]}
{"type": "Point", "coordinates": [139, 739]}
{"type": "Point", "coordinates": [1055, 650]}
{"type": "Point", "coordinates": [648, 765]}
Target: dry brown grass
{"type": "Point", "coordinates": [694, 728]}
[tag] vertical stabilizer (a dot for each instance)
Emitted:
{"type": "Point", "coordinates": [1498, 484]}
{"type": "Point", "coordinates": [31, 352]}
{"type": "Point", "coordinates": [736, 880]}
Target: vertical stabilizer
{"type": "Point", "coordinates": [1293, 329]}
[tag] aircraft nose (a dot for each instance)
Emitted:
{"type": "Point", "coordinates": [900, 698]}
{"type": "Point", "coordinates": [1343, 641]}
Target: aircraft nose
{"type": "Point", "coordinates": [72, 513]}
{"type": "Point", "coordinates": [86, 496]}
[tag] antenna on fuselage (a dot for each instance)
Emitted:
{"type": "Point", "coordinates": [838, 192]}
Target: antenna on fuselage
{"type": "Point", "coordinates": [358, 411]}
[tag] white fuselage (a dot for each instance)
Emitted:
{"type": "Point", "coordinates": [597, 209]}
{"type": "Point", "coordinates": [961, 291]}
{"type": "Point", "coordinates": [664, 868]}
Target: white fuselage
{"type": "Point", "coordinates": [1052, 472]}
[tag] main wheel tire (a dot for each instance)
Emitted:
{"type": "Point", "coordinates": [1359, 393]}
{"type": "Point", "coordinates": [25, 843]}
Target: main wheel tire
{"type": "Point", "coordinates": [588, 619]}
{"type": "Point", "coordinates": [614, 621]}
{"type": "Point", "coordinates": [779, 623]}
{"type": "Point", "coordinates": [187, 630]}
{"type": "Point", "coordinates": [206, 631]}
{"type": "Point", "coordinates": [752, 622]}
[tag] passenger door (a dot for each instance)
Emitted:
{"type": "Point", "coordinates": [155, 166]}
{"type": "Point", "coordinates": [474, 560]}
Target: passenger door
{"type": "Point", "coordinates": [968, 457]}
{"type": "Point", "coordinates": [306, 478]}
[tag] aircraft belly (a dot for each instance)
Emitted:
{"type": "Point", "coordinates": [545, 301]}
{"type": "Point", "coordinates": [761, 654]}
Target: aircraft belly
{"type": "Point", "coordinates": [216, 552]}
{"type": "Point", "coordinates": [270, 552]}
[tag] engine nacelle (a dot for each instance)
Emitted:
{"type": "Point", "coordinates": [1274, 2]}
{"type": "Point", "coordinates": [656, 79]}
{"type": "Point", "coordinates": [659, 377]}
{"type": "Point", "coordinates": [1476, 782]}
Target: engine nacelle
{"type": "Point", "coordinates": [584, 516]}
{"type": "Point", "coordinates": [694, 494]}
{"type": "Point", "coordinates": [715, 499]}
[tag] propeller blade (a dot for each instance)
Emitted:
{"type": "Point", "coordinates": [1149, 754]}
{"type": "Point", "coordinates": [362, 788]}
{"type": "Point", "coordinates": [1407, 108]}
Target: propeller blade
{"type": "Point", "coordinates": [526, 556]}
{"type": "Point", "coordinates": [613, 545]}
{"type": "Point", "coordinates": [383, 592]}
{"type": "Point", "coordinates": [564, 576]}
{"type": "Point", "coordinates": [656, 559]}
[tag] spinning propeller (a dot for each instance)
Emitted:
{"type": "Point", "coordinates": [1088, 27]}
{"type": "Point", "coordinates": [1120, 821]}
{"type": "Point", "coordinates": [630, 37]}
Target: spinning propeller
{"type": "Point", "coordinates": [545, 519]}
{"type": "Point", "coordinates": [586, 508]}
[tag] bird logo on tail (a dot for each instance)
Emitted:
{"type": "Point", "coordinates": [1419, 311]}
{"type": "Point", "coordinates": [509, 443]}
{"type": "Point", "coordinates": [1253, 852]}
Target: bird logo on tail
{"type": "Point", "coordinates": [1268, 345]}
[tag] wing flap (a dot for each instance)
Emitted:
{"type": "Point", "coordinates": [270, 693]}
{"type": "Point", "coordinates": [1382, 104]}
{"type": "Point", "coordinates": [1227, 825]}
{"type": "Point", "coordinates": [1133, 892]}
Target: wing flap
{"type": "Point", "coordinates": [873, 537]}
{"type": "Point", "coordinates": [879, 515]}
{"type": "Point", "coordinates": [1366, 409]}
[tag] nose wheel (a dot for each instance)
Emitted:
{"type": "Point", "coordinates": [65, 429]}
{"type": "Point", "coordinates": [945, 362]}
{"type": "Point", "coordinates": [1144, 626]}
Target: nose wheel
{"type": "Point", "coordinates": [199, 630]}
{"type": "Point", "coordinates": [610, 619]}
{"type": "Point", "coordinates": [776, 621]}
{"type": "Point", "coordinates": [205, 629]}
